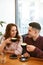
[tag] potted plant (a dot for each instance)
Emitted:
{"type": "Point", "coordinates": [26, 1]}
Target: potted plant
{"type": "Point", "coordinates": [1, 24]}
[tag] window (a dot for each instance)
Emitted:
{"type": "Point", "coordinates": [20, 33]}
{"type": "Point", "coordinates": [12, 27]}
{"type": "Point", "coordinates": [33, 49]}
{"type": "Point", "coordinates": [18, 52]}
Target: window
{"type": "Point", "coordinates": [27, 11]}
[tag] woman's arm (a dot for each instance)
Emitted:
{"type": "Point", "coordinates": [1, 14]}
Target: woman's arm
{"type": "Point", "coordinates": [3, 44]}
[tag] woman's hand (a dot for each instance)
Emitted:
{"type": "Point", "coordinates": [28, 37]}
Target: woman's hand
{"type": "Point", "coordinates": [8, 40]}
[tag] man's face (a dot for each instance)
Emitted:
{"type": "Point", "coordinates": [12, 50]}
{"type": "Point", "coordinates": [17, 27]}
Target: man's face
{"type": "Point", "coordinates": [32, 32]}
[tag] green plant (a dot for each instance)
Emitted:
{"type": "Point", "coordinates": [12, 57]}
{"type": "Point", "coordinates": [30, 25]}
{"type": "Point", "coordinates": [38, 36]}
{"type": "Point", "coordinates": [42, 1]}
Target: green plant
{"type": "Point", "coordinates": [1, 24]}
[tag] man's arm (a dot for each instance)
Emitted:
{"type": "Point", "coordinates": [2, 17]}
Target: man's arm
{"type": "Point", "coordinates": [38, 52]}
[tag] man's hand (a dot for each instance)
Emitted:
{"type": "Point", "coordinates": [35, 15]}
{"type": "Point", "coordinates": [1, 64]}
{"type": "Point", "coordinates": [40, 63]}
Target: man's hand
{"type": "Point", "coordinates": [26, 54]}
{"type": "Point", "coordinates": [30, 48]}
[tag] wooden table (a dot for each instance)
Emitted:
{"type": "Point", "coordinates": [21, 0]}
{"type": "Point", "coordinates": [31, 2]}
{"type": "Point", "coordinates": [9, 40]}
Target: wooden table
{"type": "Point", "coordinates": [31, 61]}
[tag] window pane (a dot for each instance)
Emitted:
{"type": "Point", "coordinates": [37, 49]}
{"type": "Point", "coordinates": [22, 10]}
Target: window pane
{"type": "Point", "coordinates": [27, 11]}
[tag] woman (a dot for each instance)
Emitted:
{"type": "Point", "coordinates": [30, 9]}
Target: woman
{"type": "Point", "coordinates": [12, 47]}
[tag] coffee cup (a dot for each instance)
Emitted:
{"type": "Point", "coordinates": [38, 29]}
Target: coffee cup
{"type": "Point", "coordinates": [23, 45]}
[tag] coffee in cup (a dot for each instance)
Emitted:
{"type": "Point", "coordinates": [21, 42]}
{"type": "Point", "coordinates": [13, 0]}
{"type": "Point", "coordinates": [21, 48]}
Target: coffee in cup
{"type": "Point", "coordinates": [14, 39]}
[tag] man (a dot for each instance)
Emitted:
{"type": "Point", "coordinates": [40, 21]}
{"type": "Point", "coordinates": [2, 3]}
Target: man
{"type": "Point", "coordinates": [34, 40]}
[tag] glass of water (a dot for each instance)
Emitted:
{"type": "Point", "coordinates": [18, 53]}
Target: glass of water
{"type": "Point", "coordinates": [3, 58]}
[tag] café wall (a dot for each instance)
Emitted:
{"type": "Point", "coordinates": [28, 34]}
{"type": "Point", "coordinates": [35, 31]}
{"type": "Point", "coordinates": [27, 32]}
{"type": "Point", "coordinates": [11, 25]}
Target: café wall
{"type": "Point", "coordinates": [7, 13]}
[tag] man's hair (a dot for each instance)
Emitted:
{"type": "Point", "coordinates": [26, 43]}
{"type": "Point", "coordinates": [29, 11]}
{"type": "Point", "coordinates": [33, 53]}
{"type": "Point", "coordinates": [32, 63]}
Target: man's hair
{"type": "Point", "coordinates": [35, 25]}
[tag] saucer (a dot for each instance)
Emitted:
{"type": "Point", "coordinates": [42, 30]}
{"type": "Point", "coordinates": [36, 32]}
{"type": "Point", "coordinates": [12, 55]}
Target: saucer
{"type": "Point", "coordinates": [13, 56]}
{"type": "Point", "coordinates": [23, 59]}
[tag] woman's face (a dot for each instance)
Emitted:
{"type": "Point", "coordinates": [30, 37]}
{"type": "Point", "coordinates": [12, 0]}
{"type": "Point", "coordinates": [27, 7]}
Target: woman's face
{"type": "Point", "coordinates": [13, 31]}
